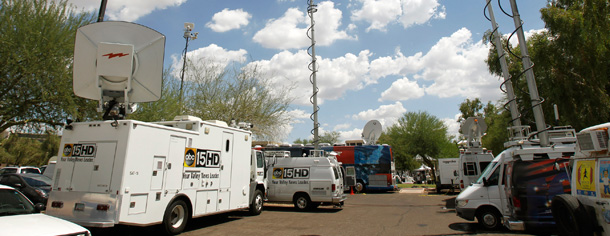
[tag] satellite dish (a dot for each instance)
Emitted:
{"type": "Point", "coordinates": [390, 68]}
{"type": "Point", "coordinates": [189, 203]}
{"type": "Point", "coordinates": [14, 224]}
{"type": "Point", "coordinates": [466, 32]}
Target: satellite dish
{"type": "Point", "coordinates": [372, 131]}
{"type": "Point", "coordinates": [473, 129]}
{"type": "Point", "coordinates": [120, 62]}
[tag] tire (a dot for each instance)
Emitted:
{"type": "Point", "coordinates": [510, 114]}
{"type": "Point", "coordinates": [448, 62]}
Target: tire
{"type": "Point", "coordinates": [489, 218]}
{"type": "Point", "coordinates": [175, 218]}
{"type": "Point", "coordinates": [570, 216]}
{"type": "Point", "coordinates": [302, 202]}
{"type": "Point", "coordinates": [256, 207]}
{"type": "Point", "coordinates": [359, 187]}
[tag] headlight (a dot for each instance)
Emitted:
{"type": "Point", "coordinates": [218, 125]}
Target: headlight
{"type": "Point", "coordinates": [461, 203]}
{"type": "Point", "coordinates": [41, 192]}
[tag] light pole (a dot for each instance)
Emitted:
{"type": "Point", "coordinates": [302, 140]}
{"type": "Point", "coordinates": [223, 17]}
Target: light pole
{"type": "Point", "coordinates": [188, 27]}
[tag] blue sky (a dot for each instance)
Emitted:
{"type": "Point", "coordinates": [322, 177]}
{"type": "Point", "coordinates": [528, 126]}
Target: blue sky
{"type": "Point", "coordinates": [377, 59]}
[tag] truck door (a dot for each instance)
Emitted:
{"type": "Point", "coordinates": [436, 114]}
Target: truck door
{"type": "Point", "coordinates": [175, 163]}
{"type": "Point", "coordinates": [495, 188]}
{"type": "Point", "coordinates": [86, 167]}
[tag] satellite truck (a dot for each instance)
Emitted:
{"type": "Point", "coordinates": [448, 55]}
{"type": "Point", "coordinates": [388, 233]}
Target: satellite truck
{"type": "Point", "coordinates": [120, 171]}
{"type": "Point", "coordinates": [473, 157]}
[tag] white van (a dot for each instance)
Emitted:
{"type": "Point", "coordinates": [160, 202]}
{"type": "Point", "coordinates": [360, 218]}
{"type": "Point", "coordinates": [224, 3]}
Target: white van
{"type": "Point", "coordinates": [471, 163]}
{"type": "Point", "coordinates": [306, 182]}
{"type": "Point", "coordinates": [517, 187]}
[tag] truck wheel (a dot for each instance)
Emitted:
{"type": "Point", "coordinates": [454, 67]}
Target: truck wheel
{"type": "Point", "coordinates": [175, 218]}
{"type": "Point", "coordinates": [359, 187]}
{"type": "Point", "coordinates": [256, 207]}
{"type": "Point", "coordinates": [489, 218]}
{"type": "Point", "coordinates": [570, 216]}
{"type": "Point", "coordinates": [302, 202]}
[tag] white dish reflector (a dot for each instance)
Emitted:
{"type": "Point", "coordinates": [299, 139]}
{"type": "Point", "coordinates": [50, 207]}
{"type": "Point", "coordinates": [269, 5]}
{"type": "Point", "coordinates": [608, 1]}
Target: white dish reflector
{"type": "Point", "coordinates": [118, 60]}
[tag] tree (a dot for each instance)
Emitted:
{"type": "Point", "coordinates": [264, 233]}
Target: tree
{"type": "Point", "coordinates": [328, 137]}
{"type": "Point", "coordinates": [36, 62]}
{"type": "Point", "coordinates": [243, 94]}
{"type": "Point", "coordinates": [419, 133]}
{"type": "Point", "coordinates": [470, 108]}
{"type": "Point", "coordinates": [35, 151]}
{"type": "Point", "coordinates": [497, 121]}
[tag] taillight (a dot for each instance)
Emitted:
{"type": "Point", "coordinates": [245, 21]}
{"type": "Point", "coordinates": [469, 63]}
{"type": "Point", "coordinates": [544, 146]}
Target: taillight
{"type": "Point", "coordinates": [516, 202]}
{"type": "Point", "coordinates": [334, 187]}
{"type": "Point", "coordinates": [57, 204]}
{"type": "Point", "coordinates": [103, 207]}
{"type": "Point", "coordinates": [462, 184]}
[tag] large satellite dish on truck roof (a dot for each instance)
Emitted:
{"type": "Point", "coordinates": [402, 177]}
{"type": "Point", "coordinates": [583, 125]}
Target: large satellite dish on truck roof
{"type": "Point", "coordinates": [371, 132]}
{"type": "Point", "coordinates": [118, 61]}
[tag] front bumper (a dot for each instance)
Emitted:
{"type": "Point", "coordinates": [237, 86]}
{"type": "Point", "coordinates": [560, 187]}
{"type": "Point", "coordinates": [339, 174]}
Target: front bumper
{"type": "Point", "coordinates": [466, 213]}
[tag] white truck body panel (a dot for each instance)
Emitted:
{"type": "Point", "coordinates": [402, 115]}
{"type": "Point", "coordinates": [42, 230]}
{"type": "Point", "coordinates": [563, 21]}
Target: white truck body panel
{"type": "Point", "coordinates": [137, 169]}
{"type": "Point", "coordinates": [471, 164]}
{"type": "Point", "coordinates": [448, 172]}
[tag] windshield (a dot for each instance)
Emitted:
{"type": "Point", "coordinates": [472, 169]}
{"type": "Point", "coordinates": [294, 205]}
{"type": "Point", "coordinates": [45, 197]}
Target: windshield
{"type": "Point", "coordinates": [489, 168]}
{"type": "Point", "coordinates": [13, 203]}
{"type": "Point", "coordinates": [38, 181]}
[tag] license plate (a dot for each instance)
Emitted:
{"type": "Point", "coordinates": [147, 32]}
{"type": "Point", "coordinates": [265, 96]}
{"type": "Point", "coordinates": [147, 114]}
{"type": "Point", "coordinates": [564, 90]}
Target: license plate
{"type": "Point", "coordinates": [79, 207]}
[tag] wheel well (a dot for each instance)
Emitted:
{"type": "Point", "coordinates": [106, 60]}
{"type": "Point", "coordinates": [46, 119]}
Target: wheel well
{"type": "Point", "coordinates": [261, 188]}
{"type": "Point", "coordinates": [299, 194]}
{"type": "Point", "coordinates": [487, 207]}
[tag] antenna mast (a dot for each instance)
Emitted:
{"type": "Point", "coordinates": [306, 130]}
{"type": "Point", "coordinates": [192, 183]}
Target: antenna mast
{"type": "Point", "coordinates": [311, 8]}
{"type": "Point", "coordinates": [531, 82]}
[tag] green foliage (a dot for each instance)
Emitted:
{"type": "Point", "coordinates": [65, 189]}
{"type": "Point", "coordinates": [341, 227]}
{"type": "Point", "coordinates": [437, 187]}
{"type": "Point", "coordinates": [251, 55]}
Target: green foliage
{"type": "Point", "coordinates": [328, 137]}
{"type": "Point", "coordinates": [36, 62]}
{"type": "Point", "coordinates": [243, 94]}
{"type": "Point", "coordinates": [497, 120]}
{"type": "Point", "coordinates": [166, 108]}
{"type": "Point", "coordinates": [22, 151]}
{"type": "Point", "coordinates": [418, 133]}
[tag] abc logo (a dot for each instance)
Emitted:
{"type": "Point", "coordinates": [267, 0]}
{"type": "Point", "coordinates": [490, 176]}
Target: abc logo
{"type": "Point", "coordinates": [189, 158]}
{"type": "Point", "coordinates": [68, 150]}
{"type": "Point", "coordinates": [277, 173]}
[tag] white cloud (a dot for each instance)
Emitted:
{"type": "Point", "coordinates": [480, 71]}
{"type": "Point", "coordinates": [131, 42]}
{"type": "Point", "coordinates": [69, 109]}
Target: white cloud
{"type": "Point", "coordinates": [226, 20]}
{"type": "Point", "coordinates": [457, 67]}
{"type": "Point", "coordinates": [402, 89]}
{"type": "Point", "coordinates": [354, 134]}
{"type": "Point", "coordinates": [381, 13]}
{"type": "Point", "coordinates": [334, 78]}
{"type": "Point", "coordinates": [453, 126]}
{"type": "Point", "coordinates": [289, 31]}
{"type": "Point", "coordinates": [217, 56]}
{"type": "Point", "coordinates": [514, 41]}
{"type": "Point", "coordinates": [342, 126]}
{"type": "Point", "coordinates": [126, 10]}
{"type": "Point", "coordinates": [385, 114]}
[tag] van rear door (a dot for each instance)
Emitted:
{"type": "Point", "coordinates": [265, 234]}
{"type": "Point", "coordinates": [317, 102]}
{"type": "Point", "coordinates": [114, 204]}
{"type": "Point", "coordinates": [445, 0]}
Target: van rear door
{"type": "Point", "coordinates": [86, 167]}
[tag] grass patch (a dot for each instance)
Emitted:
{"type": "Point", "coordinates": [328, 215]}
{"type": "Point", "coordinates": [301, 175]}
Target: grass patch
{"type": "Point", "coordinates": [416, 186]}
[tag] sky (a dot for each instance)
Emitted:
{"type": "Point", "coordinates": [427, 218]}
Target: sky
{"type": "Point", "coordinates": [376, 59]}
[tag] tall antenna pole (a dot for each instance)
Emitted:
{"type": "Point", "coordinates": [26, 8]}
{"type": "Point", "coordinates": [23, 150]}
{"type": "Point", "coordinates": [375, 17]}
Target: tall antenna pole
{"type": "Point", "coordinates": [312, 66]}
{"type": "Point", "coordinates": [512, 102]}
{"type": "Point", "coordinates": [188, 27]}
{"type": "Point", "coordinates": [100, 15]}
{"type": "Point", "coordinates": [531, 82]}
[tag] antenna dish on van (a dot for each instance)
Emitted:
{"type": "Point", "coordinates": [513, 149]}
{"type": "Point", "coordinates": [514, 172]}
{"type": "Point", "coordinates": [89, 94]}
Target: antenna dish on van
{"type": "Point", "coordinates": [118, 63]}
{"type": "Point", "coordinates": [371, 132]}
{"type": "Point", "coordinates": [473, 129]}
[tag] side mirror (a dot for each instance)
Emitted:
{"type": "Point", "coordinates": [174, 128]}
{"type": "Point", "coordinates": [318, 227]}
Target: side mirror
{"type": "Point", "coordinates": [39, 207]}
{"type": "Point", "coordinates": [485, 183]}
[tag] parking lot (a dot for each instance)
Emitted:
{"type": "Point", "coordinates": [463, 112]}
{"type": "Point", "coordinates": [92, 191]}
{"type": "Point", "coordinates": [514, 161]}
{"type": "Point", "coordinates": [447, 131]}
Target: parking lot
{"type": "Point", "coordinates": [394, 213]}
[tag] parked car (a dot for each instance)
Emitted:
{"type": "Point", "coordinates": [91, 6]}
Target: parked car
{"type": "Point", "coordinates": [18, 216]}
{"type": "Point", "coordinates": [35, 186]}
{"type": "Point", "coordinates": [20, 169]}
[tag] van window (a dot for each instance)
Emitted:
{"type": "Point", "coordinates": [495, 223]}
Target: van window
{"type": "Point", "coordinates": [483, 165]}
{"type": "Point", "coordinates": [470, 168]}
{"type": "Point", "coordinates": [335, 172]}
{"type": "Point", "coordinates": [494, 177]}
{"type": "Point", "coordinates": [259, 160]}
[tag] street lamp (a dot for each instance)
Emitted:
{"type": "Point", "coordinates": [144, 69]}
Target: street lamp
{"type": "Point", "coordinates": [188, 27]}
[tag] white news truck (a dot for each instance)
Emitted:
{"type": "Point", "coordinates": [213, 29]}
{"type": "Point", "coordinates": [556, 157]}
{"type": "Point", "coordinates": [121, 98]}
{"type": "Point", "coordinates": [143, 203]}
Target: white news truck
{"type": "Point", "coordinates": [473, 157]}
{"type": "Point", "coordinates": [516, 189]}
{"type": "Point", "coordinates": [448, 176]}
{"type": "Point", "coordinates": [138, 173]}
{"type": "Point", "coordinates": [306, 182]}
{"type": "Point", "coordinates": [120, 171]}
{"type": "Point", "coordinates": [586, 210]}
